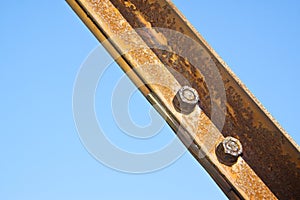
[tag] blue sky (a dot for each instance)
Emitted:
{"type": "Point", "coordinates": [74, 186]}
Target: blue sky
{"type": "Point", "coordinates": [42, 46]}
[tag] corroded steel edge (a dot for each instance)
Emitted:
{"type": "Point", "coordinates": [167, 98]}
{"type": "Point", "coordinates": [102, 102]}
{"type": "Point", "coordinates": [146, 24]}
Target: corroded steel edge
{"type": "Point", "coordinates": [218, 172]}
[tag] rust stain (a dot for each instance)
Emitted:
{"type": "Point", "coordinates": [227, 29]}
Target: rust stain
{"type": "Point", "coordinates": [264, 169]}
{"type": "Point", "coordinates": [275, 165]}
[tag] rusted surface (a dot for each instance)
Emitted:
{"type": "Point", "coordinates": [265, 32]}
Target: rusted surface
{"type": "Point", "coordinates": [270, 164]}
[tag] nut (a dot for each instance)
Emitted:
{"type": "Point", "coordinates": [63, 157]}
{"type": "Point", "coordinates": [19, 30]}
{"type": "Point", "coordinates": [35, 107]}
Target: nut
{"type": "Point", "coordinates": [186, 100]}
{"type": "Point", "coordinates": [229, 150]}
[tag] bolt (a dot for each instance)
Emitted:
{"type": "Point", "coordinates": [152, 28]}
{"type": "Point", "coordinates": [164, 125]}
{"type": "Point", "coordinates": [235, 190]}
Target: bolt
{"type": "Point", "coordinates": [186, 100]}
{"type": "Point", "coordinates": [229, 150]}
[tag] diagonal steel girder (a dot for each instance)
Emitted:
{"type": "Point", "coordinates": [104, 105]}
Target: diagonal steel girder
{"type": "Point", "coordinates": [161, 52]}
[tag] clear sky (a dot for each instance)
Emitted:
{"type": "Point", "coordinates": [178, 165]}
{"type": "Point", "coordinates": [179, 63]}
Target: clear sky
{"type": "Point", "coordinates": [42, 46]}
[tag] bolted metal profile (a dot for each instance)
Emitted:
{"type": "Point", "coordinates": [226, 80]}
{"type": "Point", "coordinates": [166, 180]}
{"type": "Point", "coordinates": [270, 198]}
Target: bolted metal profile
{"type": "Point", "coordinates": [245, 117]}
{"type": "Point", "coordinates": [229, 150]}
{"type": "Point", "coordinates": [186, 100]}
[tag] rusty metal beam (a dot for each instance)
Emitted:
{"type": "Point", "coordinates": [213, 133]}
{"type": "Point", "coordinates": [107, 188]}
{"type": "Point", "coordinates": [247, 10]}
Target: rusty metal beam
{"type": "Point", "coordinates": [269, 167]}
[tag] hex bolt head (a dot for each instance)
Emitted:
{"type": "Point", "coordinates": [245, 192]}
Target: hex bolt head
{"type": "Point", "coordinates": [186, 100]}
{"type": "Point", "coordinates": [229, 150]}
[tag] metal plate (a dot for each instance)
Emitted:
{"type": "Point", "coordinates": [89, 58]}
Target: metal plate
{"type": "Point", "coordinates": [171, 53]}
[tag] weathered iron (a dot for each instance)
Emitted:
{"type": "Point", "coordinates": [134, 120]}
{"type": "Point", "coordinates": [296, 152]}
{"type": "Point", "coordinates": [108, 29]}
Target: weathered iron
{"type": "Point", "coordinates": [269, 167]}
